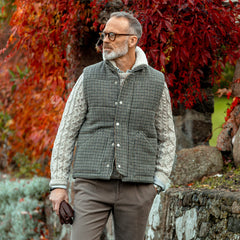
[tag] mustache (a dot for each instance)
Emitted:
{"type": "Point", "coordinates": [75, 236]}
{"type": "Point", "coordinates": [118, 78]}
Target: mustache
{"type": "Point", "coordinates": [107, 45]}
{"type": "Point", "coordinates": [100, 45]}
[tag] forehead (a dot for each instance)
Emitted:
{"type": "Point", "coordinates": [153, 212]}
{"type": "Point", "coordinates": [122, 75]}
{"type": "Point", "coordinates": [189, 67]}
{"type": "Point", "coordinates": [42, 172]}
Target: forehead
{"type": "Point", "coordinates": [117, 25]}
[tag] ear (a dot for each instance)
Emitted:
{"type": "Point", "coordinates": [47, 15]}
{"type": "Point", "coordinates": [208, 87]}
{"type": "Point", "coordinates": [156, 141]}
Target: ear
{"type": "Point", "coordinates": [132, 41]}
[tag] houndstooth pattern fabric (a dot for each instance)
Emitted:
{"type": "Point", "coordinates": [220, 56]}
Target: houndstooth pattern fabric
{"type": "Point", "coordinates": [76, 108]}
{"type": "Point", "coordinates": [119, 124]}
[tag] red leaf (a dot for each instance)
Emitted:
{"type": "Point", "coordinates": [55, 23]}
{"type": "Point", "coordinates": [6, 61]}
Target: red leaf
{"type": "Point", "coordinates": [162, 59]}
{"type": "Point", "coordinates": [168, 25]}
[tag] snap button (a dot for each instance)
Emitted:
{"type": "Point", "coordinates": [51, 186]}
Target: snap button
{"type": "Point", "coordinates": [118, 145]}
{"type": "Point", "coordinates": [117, 124]}
{"type": "Point", "coordinates": [116, 103]}
{"type": "Point", "coordinates": [119, 165]}
{"type": "Point", "coordinates": [113, 144]}
{"type": "Point", "coordinates": [120, 102]}
{"type": "Point", "coordinates": [116, 82]}
{"type": "Point", "coordinates": [108, 165]}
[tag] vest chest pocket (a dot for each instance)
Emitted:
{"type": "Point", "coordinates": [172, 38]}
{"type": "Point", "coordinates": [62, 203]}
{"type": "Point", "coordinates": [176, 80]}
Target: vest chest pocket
{"type": "Point", "coordinates": [91, 151]}
{"type": "Point", "coordinates": [144, 155]}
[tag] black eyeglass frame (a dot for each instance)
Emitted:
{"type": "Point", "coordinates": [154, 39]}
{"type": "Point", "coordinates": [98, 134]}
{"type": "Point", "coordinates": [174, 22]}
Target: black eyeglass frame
{"type": "Point", "coordinates": [112, 36]}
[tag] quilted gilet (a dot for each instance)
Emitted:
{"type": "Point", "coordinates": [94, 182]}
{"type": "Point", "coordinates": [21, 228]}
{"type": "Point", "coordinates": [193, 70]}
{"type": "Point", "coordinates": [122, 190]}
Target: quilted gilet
{"type": "Point", "coordinates": [119, 124]}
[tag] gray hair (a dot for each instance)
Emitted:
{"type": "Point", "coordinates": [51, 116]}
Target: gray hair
{"type": "Point", "coordinates": [134, 24]}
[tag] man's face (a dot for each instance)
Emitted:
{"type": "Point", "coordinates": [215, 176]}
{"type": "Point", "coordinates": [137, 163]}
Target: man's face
{"type": "Point", "coordinates": [119, 47]}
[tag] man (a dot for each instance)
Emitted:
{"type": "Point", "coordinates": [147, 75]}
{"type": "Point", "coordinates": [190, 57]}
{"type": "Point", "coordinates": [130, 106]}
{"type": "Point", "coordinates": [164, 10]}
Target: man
{"type": "Point", "coordinates": [119, 113]}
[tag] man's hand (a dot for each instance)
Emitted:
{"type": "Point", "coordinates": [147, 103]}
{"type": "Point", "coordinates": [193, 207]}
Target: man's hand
{"type": "Point", "coordinates": [56, 197]}
{"type": "Point", "coordinates": [157, 188]}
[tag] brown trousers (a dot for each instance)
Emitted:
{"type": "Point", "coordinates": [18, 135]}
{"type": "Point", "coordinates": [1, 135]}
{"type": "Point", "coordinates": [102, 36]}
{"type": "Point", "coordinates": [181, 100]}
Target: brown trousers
{"type": "Point", "coordinates": [94, 200]}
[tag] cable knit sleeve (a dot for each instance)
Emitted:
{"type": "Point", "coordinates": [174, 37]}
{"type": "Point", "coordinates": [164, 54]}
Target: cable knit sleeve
{"type": "Point", "coordinates": [72, 119]}
{"type": "Point", "coordinates": [166, 141]}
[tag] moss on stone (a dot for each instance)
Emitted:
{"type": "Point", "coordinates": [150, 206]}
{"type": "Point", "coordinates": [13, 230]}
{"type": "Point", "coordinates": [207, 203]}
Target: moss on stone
{"type": "Point", "coordinates": [229, 180]}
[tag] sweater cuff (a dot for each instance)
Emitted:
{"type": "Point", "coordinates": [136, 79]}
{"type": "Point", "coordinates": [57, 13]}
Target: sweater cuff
{"type": "Point", "coordinates": [58, 183]}
{"type": "Point", "coordinates": [162, 181]}
{"type": "Point", "coordinates": [57, 186]}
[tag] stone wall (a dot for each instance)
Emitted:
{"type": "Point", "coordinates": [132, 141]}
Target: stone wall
{"type": "Point", "coordinates": [185, 214]}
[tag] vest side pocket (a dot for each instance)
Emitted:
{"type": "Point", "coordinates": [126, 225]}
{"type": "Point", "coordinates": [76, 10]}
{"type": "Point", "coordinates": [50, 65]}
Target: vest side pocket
{"type": "Point", "coordinates": [90, 153]}
{"type": "Point", "coordinates": [144, 155]}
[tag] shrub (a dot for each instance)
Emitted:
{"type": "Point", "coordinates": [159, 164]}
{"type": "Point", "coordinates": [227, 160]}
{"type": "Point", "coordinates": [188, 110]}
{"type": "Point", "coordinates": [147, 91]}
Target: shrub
{"type": "Point", "coordinates": [21, 209]}
{"type": "Point", "coordinates": [5, 132]}
{"type": "Point", "coordinates": [226, 78]}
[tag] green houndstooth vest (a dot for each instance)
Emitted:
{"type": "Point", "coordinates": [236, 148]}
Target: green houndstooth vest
{"type": "Point", "coordinates": [119, 124]}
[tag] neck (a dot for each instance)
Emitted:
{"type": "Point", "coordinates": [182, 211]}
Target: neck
{"type": "Point", "coordinates": [127, 61]}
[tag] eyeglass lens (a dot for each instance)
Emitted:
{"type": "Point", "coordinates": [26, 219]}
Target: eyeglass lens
{"type": "Point", "coordinates": [110, 35]}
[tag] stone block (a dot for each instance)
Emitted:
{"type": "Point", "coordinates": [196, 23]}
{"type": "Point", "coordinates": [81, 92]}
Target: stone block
{"type": "Point", "coordinates": [224, 139]}
{"type": "Point", "coordinates": [236, 207]}
{"type": "Point", "coordinates": [192, 128]}
{"type": "Point", "coordinates": [215, 211]}
{"type": "Point", "coordinates": [186, 226]}
{"type": "Point", "coordinates": [236, 89]}
{"type": "Point", "coordinates": [234, 224]}
{"type": "Point", "coordinates": [204, 229]}
{"type": "Point", "coordinates": [194, 163]}
{"type": "Point", "coordinates": [236, 149]}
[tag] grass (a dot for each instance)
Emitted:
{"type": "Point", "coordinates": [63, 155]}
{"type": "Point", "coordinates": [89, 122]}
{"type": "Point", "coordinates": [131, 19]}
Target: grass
{"type": "Point", "coordinates": [220, 107]}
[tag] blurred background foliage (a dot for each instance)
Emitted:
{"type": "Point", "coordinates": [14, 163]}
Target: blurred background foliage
{"type": "Point", "coordinates": [45, 44]}
{"type": "Point", "coordinates": [22, 215]}
{"type": "Point", "coordinates": [226, 78]}
{"type": "Point", "coordinates": [7, 8]}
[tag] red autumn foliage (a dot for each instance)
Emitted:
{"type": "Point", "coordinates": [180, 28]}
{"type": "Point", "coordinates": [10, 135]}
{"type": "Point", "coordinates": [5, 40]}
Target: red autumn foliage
{"type": "Point", "coordinates": [188, 40]}
{"type": "Point", "coordinates": [41, 30]}
{"type": "Point", "coordinates": [234, 103]}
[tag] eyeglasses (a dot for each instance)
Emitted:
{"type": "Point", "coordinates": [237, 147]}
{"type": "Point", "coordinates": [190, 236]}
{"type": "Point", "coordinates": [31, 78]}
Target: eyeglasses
{"type": "Point", "coordinates": [112, 36]}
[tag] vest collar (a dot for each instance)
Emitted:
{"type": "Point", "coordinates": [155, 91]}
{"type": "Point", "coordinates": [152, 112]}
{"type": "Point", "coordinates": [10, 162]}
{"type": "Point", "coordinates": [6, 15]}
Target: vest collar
{"type": "Point", "coordinates": [140, 63]}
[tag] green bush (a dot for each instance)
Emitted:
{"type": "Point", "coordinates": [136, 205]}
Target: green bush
{"type": "Point", "coordinates": [5, 133]}
{"type": "Point", "coordinates": [226, 78]}
{"type": "Point", "coordinates": [24, 167]}
{"type": "Point", "coordinates": [21, 209]}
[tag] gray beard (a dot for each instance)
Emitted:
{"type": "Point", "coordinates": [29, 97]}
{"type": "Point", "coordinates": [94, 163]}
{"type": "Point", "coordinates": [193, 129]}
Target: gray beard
{"type": "Point", "coordinates": [115, 54]}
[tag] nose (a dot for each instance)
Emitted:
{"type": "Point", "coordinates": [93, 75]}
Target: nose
{"type": "Point", "coordinates": [106, 39]}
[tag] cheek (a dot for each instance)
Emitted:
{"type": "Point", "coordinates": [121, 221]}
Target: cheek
{"type": "Point", "coordinates": [118, 44]}
{"type": "Point", "coordinates": [122, 45]}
